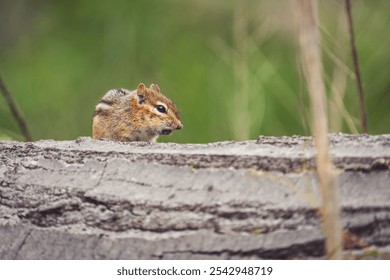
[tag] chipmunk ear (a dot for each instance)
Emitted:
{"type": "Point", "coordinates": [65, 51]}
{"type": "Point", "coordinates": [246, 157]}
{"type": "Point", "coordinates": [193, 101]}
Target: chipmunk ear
{"type": "Point", "coordinates": [155, 87]}
{"type": "Point", "coordinates": [141, 88]}
{"type": "Point", "coordinates": [141, 93]}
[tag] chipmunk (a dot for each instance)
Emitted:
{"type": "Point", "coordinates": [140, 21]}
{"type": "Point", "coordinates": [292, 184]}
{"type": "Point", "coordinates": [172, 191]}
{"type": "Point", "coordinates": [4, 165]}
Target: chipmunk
{"type": "Point", "coordinates": [139, 115]}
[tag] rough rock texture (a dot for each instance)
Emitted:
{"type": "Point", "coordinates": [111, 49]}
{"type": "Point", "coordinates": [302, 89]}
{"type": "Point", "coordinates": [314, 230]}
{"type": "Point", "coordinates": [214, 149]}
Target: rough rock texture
{"type": "Point", "coordinates": [88, 199]}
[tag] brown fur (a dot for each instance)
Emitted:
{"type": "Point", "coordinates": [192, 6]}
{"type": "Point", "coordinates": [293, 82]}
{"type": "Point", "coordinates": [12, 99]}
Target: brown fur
{"type": "Point", "coordinates": [124, 115]}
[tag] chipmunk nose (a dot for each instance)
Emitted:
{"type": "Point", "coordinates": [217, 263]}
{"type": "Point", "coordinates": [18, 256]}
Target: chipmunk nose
{"type": "Point", "coordinates": [179, 126]}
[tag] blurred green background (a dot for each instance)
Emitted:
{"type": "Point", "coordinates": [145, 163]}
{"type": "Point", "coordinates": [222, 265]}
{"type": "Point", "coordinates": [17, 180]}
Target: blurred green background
{"type": "Point", "coordinates": [232, 67]}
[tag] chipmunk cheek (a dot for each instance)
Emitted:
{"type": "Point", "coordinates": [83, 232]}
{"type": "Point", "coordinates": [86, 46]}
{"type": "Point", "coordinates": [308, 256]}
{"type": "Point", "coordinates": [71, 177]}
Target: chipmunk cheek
{"type": "Point", "coordinates": [151, 132]}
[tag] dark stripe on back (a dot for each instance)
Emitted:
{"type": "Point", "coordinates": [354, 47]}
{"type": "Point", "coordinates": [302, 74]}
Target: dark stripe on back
{"type": "Point", "coordinates": [107, 102]}
{"type": "Point", "coordinates": [122, 91]}
{"type": "Point", "coordinates": [100, 112]}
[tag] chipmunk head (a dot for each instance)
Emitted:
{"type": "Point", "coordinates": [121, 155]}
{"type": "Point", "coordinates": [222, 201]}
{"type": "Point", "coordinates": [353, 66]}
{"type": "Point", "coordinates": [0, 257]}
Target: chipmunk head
{"type": "Point", "coordinates": [140, 115]}
{"type": "Point", "coordinates": [156, 111]}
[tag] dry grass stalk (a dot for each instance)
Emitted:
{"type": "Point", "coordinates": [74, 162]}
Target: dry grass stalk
{"type": "Point", "coordinates": [338, 83]}
{"type": "Point", "coordinates": [15, 112]}
{"type": "Point", "coordinates": [310, 48]}
{"type": "Point", "coordinates": [241, 121]}
{"type": "Point", "coordinates": [355, 59]}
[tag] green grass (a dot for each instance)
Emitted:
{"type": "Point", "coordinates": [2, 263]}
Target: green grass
{"type": "Point", "coordinates": [60, 59]}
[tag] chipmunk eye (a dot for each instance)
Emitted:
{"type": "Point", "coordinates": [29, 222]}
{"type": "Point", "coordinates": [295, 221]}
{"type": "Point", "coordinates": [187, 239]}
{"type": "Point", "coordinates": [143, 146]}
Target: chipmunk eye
{"type": "Point", "coordinates": [161, 109]}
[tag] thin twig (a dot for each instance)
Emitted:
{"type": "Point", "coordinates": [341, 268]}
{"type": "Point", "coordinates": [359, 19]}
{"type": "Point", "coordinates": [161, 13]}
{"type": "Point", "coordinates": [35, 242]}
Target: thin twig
{"type": "Point", "coordinates": [310, 47]}
{"type": "Point", "coordinates": [357, 66]}
{"type": "Point", "coordinates": [15, 112]}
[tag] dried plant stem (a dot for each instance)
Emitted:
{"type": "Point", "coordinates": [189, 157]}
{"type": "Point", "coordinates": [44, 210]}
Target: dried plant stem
{"type": "Point", "coordinates": [310, 48]}
{"type": "Point", "coordinates": [338, 83]}
{"type": "Point", "coordinates": [15, 112]}
{"type": "Point", "coordinates": [355, 59]}
{"type": "Point", "coordinates": [241, 121]}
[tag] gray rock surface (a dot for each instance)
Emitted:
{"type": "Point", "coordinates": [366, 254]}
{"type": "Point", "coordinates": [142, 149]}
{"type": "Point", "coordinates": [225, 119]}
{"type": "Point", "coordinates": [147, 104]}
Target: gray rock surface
{"type": "Point", "coordinates": [87, 199]}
